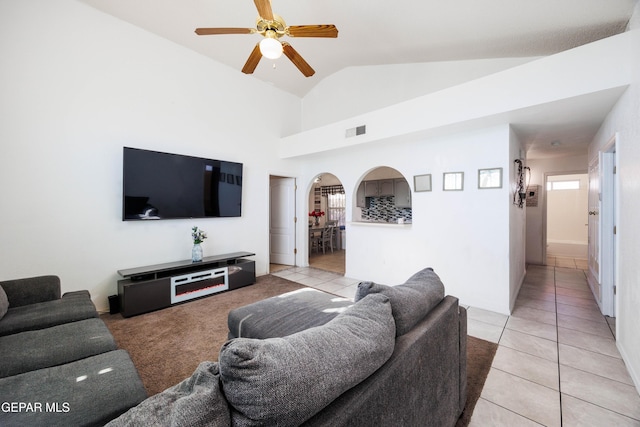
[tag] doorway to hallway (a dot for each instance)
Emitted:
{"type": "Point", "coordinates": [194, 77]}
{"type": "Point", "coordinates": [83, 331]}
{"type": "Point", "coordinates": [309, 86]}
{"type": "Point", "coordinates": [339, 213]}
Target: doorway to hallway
{"type": "Point", "coordinates": [567, 222]}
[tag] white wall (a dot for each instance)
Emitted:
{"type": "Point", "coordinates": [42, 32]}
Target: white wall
{"type": "Point", "coordinates": [356, 90]}
{"type": "Point", "coordinates": [463, 235]}
{"type": "Point", "coordinates": [452, 114]}
{"type": "Point", "coordinates": [624, 120]}
{"type": "Point", "coordinates": [77, 85]}
{"type": "Point", "coordinates": [517, 223]}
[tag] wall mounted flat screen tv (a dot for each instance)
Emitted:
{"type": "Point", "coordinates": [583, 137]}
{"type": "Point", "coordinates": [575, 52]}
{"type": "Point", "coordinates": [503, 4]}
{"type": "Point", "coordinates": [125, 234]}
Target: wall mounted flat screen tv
{"type": "Point", "coordinates": [160, 185]}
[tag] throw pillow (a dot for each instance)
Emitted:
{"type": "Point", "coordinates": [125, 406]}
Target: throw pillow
{"type": "Point", "coordinates": [4, 303]}
{"type": "Point", "coordinates": [285, 381]}
{"type": "Point", "coordinates": [411, 301]}
{"type": "Point", "coordinates": [196, 401]}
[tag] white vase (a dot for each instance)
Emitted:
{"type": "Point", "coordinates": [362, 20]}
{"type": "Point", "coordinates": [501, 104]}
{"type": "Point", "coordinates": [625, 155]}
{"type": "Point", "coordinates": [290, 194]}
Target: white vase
{"type": "Point", "coordinates": [196, 253]}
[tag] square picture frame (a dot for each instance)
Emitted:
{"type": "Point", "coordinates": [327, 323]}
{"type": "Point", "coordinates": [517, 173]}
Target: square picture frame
{"type": "Point", "coordinates": [422, 182]}
{"type": "Point", "coordinates": [489, 178]}
{"type": "Point", "coordinates": [453, 181]}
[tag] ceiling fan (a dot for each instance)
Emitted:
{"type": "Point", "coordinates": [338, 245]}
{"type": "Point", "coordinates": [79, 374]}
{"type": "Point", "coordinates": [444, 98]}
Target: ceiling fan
{"type": "Point", "coordinates": [272, 27]}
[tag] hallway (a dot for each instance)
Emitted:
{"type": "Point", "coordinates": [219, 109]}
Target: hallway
{"type": "Point", "coordinates": [557, 362]}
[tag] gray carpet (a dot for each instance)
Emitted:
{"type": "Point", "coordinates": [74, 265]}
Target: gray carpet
{"type": "Point", "coordinates": [167, 345]}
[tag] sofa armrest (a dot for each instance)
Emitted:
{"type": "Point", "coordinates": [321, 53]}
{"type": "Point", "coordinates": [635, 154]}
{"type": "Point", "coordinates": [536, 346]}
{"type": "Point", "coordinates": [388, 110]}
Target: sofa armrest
{"type": "Point", "coordinates": [417, 386]}
{"type": "Point", "coordinates": [31, 290]}
{"type": "Point", "coordinates": [463, 356]}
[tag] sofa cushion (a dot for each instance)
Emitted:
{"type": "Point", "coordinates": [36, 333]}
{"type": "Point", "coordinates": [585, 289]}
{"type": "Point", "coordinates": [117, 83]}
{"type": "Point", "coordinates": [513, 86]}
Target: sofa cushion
{"type": "Point", "coordinates": [4, 303]}
{"type": "Point", "coordinates": [196, 401]}
{"type": "Point", "coordinates": [285, 314]}
{"type": "Point", "coordinates": [71, 307]}
{"type": "Point", "coordinates": [31, 290]}
{"type": "Point", "coordinates": [411, 301]}
{"type": "Point", "coordinates": [285, 381]}
{"type": "Point", "coordinates": [43, 348]}
{"type": "Point", "coordinates": [87, 392]}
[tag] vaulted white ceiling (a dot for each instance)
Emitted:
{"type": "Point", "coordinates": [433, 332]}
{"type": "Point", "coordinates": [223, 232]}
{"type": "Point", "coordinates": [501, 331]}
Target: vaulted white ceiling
{"type": "Point", "coordinates": [401, 32]}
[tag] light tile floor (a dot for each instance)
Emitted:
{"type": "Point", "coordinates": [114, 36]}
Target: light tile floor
{"type": "Point", "coordinates": [557, 363]}
{"type": "Point", "coordinates": [558, 261]}
{"type": "Point", "coordinates": [327, 281]}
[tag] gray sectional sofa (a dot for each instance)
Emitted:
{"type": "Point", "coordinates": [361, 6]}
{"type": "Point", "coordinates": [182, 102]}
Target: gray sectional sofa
{"type": "Point", "coordinates": [394, 357]}
{"type": "Point", "coordinates": [60, 364]}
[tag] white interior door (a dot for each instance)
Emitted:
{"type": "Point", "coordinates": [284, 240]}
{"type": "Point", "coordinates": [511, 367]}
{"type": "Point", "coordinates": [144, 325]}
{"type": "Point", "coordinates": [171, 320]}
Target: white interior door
{"type": "Point", "coordinates": [282, 236]}
{"type": "Point", "coordinates": [594, 230]}
{"type": "Point", "coordinates": [602, 229]}
{"type": "Point", "coordinates": [608, 231]}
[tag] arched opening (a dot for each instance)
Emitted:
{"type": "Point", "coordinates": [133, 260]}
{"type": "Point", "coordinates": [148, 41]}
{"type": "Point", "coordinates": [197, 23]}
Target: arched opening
{"type": "Point", "coordinates": [383, 196]}
{"type": "Point", "coordinates": [327, 217]}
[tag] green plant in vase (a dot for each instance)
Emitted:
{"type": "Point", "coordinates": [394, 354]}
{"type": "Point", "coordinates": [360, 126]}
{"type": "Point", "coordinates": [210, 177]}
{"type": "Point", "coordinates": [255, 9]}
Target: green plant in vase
{"type": "Point", "coordinates": [198, 237]}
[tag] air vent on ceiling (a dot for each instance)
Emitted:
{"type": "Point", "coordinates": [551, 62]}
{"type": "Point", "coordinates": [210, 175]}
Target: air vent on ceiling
{"type": "Point", "coordinates": [360, 130]}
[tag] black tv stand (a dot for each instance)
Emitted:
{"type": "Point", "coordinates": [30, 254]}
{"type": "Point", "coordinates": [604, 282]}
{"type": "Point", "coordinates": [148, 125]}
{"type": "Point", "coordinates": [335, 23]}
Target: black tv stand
{"type": "Point", "coordinates": [153, 287]}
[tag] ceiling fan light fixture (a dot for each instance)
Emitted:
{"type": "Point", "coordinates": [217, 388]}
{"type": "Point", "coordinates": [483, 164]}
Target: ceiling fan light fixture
{"type": "Point", "coordinates": [270, 47]}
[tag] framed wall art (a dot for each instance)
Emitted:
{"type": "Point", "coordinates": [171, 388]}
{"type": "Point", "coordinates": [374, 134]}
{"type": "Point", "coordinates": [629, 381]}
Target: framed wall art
{"type": "Point", "coordinates": [490, 178]}
{"type": "Point", "coordinates": [422, 182]}
{"type": "Point", "coordinates": [453, 181]}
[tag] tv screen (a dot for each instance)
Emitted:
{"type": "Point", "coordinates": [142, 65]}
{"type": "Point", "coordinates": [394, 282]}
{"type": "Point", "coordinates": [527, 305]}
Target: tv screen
{"type": "Point", "coordinates": [170, 186]}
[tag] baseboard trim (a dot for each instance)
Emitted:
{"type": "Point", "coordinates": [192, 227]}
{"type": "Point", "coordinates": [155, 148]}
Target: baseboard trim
{"type": "Point", "coordinates": [635, 377]}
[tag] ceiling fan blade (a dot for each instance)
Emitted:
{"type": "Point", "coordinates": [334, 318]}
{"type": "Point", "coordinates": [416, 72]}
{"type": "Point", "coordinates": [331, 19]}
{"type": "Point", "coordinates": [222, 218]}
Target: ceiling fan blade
{"type": "Point", "coordinates": [214, 31]}
{"type": "Point", "coordinates": [252, 61]}
{"type": "Point", "coordinates": [297, 60]}
{"type": "Point", "coordinates": [313, 31]}
{"type": "Point", "coordinates": [264, 9]}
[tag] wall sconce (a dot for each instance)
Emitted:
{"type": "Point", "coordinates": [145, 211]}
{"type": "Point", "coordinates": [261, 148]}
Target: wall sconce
{"type": "Point", "coordinates": [522, 182]}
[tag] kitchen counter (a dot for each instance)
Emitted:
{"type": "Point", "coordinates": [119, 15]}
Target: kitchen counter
{"type": "Point", "coordinates": [380, 224]}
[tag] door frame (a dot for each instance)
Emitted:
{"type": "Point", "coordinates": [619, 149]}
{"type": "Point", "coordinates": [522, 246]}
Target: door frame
{"type": "Point", "coordinates": [545, 206]}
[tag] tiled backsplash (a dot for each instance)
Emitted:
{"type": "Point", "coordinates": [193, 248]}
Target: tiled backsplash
{"type": "Point", "coordinates": [383, 209]}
